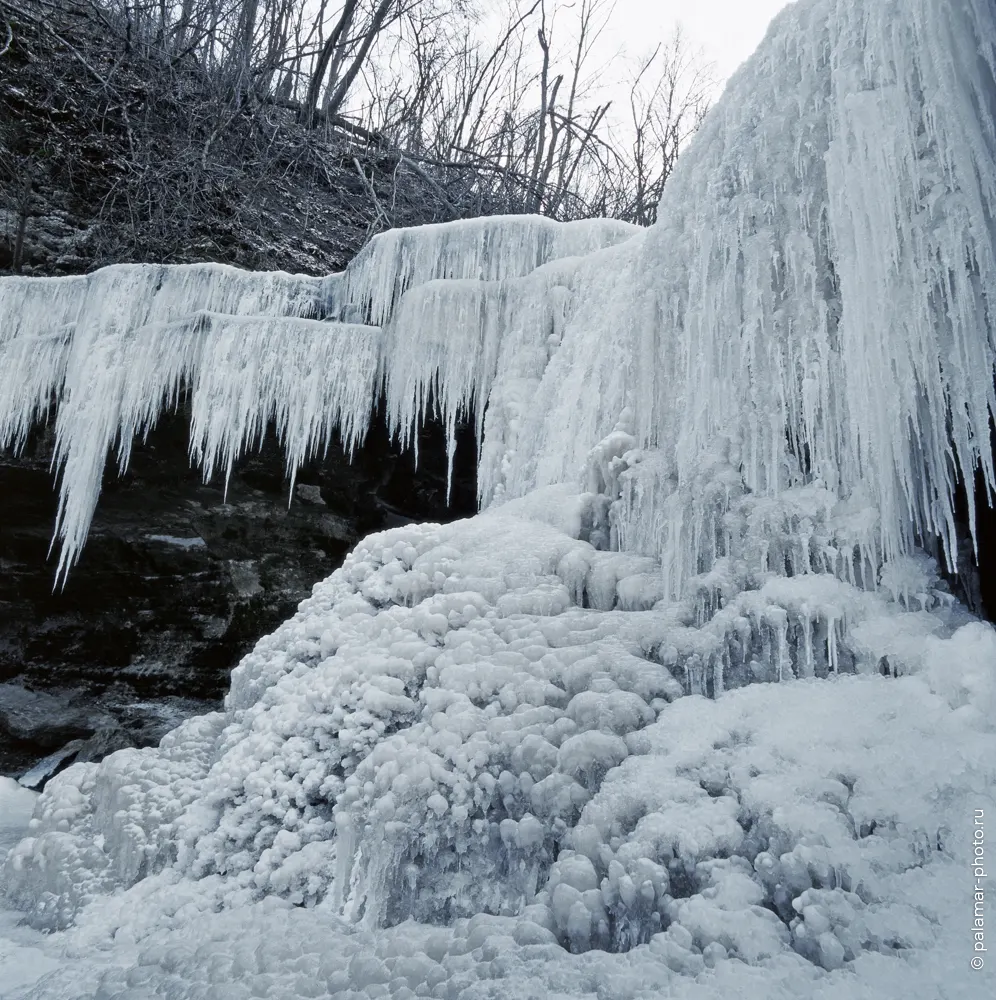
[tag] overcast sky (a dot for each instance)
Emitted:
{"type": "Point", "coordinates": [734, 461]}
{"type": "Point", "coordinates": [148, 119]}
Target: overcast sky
{"type": "Point", "coordinates": [727, 30]}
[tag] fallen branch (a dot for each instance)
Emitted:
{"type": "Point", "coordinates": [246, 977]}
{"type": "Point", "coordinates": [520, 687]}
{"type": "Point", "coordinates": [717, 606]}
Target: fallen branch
{"type": "Point", "coordinates": [368, 184]}
{"type": "Point", "coordinates": [432, 182]}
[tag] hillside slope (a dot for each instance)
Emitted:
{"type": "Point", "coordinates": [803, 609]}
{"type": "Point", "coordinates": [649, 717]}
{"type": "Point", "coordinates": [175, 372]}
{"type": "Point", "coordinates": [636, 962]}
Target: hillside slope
{"type": "Point", "coordinates": [114, 155]}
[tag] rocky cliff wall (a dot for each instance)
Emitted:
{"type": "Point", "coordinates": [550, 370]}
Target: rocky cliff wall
{"type": "Point", "coordinates": [178, 580]}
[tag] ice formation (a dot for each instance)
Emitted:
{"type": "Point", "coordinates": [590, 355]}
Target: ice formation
{"type": "Point", "coordinates": [116, 347]}
{"type": "Point", "coordinates": [813, 311]}
{"type": "Point", "coordinates": [686, 708]}
{"type": "Point", "coordinates": [444, 778]}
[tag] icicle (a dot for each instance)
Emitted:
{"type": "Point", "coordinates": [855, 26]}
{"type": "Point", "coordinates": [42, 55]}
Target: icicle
{"type": "Point", "coordinates": [489, 249]}
{"type": "Point", "coordinates": [822, 276]}
{"type": "Point", "coordinates": [116, 346]}
{"type": "Point", "coordinates": [717, 673]}
{"type": "Point", "coordinates": [832, 642]}
{"type": "Point", "coordinates": [310, 378]}
{"type": "Point", "coordinates": [806, 663]}
{"type": "Point", "coordinates": [813, 308]}
{"type": "Point", "coordinates": [31, 372]}
{"type": "Point", "coordinates": [244, 372]}
{"type": "Point", "coordinates": [777, 619]}
{"type": "Point", "coordinates": [444, 346]}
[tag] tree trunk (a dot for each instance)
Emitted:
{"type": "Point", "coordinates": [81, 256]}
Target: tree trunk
{"type": "Point", "coordinates": [22, 225]}
{"type": "Point", "coordinates": [342, 88]}
{"type": "Point", "coordinates": [324, 58]}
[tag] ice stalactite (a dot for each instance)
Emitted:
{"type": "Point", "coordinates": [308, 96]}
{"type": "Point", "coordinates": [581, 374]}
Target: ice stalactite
{"type": "Point", "coordinates": [30, 369]}
{"type": "Point", "coordinates": [444, 354]}
{"type": "Point", "coordinates": [256, 371]}
{"type": "Point", "coordinates": [477, 350]}
{"type": "Point", "coordinates": [241, 372]}
{"type": "Point", "coordinates": [115, 347]}
{"type": "Point", "coordinates": [489, 249]}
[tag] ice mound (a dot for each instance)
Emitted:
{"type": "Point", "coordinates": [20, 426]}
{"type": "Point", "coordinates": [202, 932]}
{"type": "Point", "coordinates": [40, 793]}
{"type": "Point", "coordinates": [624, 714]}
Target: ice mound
{"type": "Point", "coordinates": [444, 752]}
{"type": "Point", "coordinates": [746, 844]}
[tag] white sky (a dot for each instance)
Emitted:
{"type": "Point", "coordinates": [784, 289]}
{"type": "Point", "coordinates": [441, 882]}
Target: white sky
{"type": "Point", "coordinates": [728, 31]}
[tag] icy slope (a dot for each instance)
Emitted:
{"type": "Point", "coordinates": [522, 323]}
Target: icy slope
{"type": "Point", "coordinates": [22, 962]}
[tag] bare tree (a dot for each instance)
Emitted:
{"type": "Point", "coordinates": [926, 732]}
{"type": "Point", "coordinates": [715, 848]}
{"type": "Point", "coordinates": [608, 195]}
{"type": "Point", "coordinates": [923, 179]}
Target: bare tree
{"type": "Point", "coordinates": [334, 47]}
{"type": "Point", "coordinates": [521, 118]}
{"type": "Point", "coordinates": [668, 97]}
{"type": "Point", "coordinates": [204, 103]}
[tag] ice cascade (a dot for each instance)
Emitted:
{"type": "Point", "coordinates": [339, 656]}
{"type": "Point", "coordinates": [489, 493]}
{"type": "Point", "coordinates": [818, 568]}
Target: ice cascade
{"type": "Point", "coordinates": [813, 309]}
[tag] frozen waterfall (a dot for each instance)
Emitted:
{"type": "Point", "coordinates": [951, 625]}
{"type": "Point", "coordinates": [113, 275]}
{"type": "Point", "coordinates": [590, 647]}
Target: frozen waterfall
{"type": "Point", "coordinates": [476, 763]}
{"type": "Point", "coordinates": [812, 311]}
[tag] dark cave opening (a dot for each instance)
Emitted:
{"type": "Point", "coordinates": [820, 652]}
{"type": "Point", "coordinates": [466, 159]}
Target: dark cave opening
{"type": "Point", "coordinates": [975, 581]}
{"type": "Point", "coordinates": [178, 581]}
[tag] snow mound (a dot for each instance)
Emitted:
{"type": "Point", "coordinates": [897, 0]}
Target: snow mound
{"type": "Point", "coordinates": [444, 771]}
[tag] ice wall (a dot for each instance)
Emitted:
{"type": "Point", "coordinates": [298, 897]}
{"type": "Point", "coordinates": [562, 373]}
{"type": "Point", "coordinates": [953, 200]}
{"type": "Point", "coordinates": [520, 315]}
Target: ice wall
{"type": "Point", "coordinates": [816, 297]}
{"type": "Point", "coordinates": [804, 343]}
{"type": "Point", "coordinates": [113, 348]}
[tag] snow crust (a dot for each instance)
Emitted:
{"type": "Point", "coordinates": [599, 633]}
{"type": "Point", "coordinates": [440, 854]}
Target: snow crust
{"type": "Point", "coordinates": [685, 710]}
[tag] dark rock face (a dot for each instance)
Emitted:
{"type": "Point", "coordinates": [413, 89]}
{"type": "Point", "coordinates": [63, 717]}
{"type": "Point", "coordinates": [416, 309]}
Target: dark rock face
{"type": "Point", "coordinates": [45, 719]}
{"type": "Point", "coordinates": [975, 580]}
{"type": "Point", "coordinates": [177, 580]}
